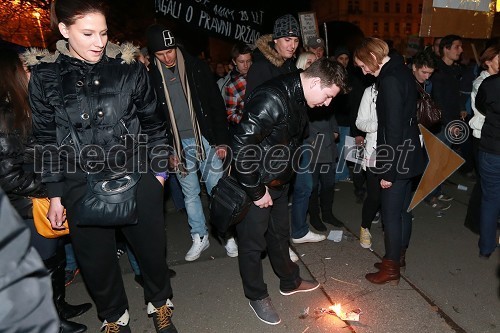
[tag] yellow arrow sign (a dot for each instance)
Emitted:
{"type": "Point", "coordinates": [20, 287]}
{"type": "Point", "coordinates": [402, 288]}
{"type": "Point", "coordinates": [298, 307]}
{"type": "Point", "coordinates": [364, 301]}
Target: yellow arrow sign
{"type": "Point", "coordinates": [443, 162]}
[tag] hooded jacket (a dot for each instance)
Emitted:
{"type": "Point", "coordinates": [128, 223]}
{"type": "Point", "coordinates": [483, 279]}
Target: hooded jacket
{"type": "Point", "coordinates": [106, 102]}
{"type": "Point", "coordinates": [267, 64]}
{"type": "Point", "coordinates": [272, 127]}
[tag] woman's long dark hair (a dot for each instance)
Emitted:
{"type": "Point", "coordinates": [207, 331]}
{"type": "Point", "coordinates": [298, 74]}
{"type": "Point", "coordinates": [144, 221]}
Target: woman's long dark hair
{"type": "Point", "coordinates": [68, 11]}
{"type": "Point", "coordinates": [13, 94]}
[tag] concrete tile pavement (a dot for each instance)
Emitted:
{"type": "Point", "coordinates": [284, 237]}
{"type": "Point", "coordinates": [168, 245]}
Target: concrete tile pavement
{"type": "Point", "coordinates": [446, 287]}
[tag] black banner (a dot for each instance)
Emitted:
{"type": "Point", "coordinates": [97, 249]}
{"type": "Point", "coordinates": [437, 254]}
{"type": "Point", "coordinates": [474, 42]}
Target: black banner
{"type": "Point", "coordinates": [233, 23]}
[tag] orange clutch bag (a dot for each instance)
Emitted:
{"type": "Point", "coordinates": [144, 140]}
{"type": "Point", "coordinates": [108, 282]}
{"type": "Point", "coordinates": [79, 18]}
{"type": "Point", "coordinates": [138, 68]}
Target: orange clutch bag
{"type": "Point", "coordinates": [42, 223]}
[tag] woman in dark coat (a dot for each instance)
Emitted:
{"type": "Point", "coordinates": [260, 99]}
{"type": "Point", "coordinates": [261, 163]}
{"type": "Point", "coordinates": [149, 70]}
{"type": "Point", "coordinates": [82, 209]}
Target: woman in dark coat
{"type": "Point", "coordinates": [20, 182]}
{"type": "Point", "coordinates": [398, 142]}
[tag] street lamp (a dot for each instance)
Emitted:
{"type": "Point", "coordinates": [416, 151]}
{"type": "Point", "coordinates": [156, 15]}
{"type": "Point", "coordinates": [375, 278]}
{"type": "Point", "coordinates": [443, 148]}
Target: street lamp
{"type": "Point", "coordinates": [37, 16]}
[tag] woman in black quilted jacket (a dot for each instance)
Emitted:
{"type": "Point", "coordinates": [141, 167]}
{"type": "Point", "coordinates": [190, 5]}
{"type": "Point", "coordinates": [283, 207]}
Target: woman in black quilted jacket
{"type": "Point", "coordinates": [20, 182]}
{"type": "Point", "coordinates": [104, 94]}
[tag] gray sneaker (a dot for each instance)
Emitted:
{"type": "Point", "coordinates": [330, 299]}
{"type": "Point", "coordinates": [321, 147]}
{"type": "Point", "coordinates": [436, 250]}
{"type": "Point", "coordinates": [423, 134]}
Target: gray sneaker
{"type": "Point", "coordinates": [303, 287]}
{"type": "Point", "coordinates": [265, 311]}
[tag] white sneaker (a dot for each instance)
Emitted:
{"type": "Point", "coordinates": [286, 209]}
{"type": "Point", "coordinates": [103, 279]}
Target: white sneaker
{"type": "Point", "coordinates": [231, 248]}
{"type": "Point", "coordinates": [293, 256]}
{"type": "Point", "coordinates": [199, 245]}
{"type": "Point", "coordinates": [310, 237]}
{"type": "Point", "coordinates": [365, 238]}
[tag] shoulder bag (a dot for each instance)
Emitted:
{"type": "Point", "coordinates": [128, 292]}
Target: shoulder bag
{"type": "Point", "coordinates": [229, 204]}
{"type": "Point", "coordinates": [428, 113]}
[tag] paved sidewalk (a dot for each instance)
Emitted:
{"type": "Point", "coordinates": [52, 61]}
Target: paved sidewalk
{"type": "Point", "coordinates": [446, 287]}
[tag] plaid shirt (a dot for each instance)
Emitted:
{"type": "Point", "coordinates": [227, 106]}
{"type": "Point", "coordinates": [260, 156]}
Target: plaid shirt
{"type": "Point", "coordinates": [234, 95]}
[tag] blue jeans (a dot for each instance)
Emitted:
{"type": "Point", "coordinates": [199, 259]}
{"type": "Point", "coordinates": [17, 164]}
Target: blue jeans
{"type": "Point", "coordinates": [342, 169]}
{"type": "Point", "coordinates": [71, 264]}
{"type": "Point", "coordinates": [302, 189]}
{"type": "Point", "coordinates": [211, 171]}
{"type": "Point", "coordinates": [132, 260]}
{"type": "Point", "coordinates": [489, 168]}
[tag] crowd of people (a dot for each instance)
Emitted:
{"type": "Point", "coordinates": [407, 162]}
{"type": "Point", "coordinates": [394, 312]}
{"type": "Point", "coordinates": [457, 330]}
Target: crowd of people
{"type": "Point", "coordinates": [281, 116]}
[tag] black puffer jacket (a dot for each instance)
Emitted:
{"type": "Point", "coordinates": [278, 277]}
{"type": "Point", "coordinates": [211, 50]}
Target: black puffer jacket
{"type": "Point", "coordinates": [272, 127]}
{"type": "Point", "coordinates": [207, 99]}
{"type": "Point", "coordinates": [17, 176]}
{"type": "Point", "coordinates": [106, 101]}
{"type": "Point", "coordinates": [267, 64]}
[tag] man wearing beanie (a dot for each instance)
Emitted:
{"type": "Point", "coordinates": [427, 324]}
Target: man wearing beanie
{"type": "Point", "coordinates": [316, 45]}
{"type": "Point", "coordinates": [274, 53]}
{"type": "Point", "coordinates": [193, 106]}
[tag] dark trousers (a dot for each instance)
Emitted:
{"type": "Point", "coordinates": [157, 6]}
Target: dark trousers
{"type": "Point", "coordinates": [474, 208]}
{"type": "Point", "coordinates": [46, 247]}
{"type": "Point", "coordinates": [266, 229]}
{"type": "Point", "coordinates": [397, 221]}
{"type": "Point", "coordinates": [371, 205]}
{"type": "Point", "coordinates": [324, 174]}
{"type": "Point", "coordinates": [95, 249]}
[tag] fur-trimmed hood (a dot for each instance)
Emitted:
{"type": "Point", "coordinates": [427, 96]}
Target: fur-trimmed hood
{"type": "Point", "coordinates": [33, 56]}
{"type": "Point", "coordinates": [264, 44]}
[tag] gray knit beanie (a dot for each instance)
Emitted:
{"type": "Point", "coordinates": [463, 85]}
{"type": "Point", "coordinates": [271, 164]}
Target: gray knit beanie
{"type": "Point", "coordinates": [286, 26]}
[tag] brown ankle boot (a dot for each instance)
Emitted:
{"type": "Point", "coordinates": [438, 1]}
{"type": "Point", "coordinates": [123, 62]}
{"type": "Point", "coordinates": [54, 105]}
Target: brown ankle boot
{"type": "Point", "coordinates": [389, 272]}
{"type": "Point", "coordinates": [402, 262]}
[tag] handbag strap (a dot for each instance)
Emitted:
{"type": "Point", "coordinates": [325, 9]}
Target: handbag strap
{"type": "Point", "coordinates": [72, 130]}
{"type": "Point", "coordinates": [421, 90]}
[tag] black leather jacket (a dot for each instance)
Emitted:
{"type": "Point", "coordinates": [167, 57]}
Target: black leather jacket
{"type": "Point", "coordinates": [106, 101]}
{"type": "Point", "coordinates": [273, 127]}
{"type": "Point", "coordinates": [17, 176]}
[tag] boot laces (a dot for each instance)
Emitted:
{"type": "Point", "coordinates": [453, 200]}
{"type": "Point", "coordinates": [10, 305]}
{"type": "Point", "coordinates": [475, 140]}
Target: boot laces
{"type": "Point", "coordinates": [163, 316]}
{"type": "Point", "coordinates": [112, 328]}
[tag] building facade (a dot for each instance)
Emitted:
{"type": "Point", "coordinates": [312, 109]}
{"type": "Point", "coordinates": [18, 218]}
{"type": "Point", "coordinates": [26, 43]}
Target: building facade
{"type": "Point", "coordinates": [392, 20]}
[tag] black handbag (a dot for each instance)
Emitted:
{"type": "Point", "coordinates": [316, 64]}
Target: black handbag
{"type": "Point", "coordinates": [110, 201]}
{"type": "Point", "coordinates": [229, 204]}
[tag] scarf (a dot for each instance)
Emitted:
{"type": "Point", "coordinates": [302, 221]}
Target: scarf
{"type": "Point", "coordinates": [200, 149]}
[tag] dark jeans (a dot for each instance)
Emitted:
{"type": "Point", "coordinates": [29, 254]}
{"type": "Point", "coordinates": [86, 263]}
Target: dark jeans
{"type": "Point", "coordinates": [397, 221]}
{"type": "Point", "coordinates": [324, 176]}
{"type": "Point", "coordinates": [302, 188]}
{"type": "Point", "coordinates": [95, 249]}
{"type": "Point", "coordinates": [371, 204]}
{"type": "Point", "coordinates": [266, 229]}
{"type": "Point", "coordinates": [489, 168]}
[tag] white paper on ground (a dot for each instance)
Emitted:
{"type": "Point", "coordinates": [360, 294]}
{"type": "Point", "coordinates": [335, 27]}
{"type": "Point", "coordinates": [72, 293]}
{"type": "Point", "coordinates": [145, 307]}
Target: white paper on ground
{"type": "Point", "coordinates": [335, 235]}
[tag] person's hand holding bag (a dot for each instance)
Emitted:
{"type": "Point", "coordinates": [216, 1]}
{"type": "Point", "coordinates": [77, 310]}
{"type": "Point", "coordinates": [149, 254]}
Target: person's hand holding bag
{"type": "Point", "coordinates": [56, 213]}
